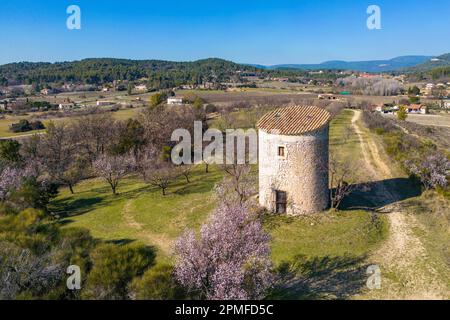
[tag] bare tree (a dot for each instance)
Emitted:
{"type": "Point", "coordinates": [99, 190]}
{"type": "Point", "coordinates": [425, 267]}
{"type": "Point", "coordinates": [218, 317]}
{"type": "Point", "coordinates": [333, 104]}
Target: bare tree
{"type": "Point", "coordinates": [113, 168]}
{"type": "Point", "coordinates": [238, 186]}
{"type": "Point", "coordinates": [58, 152]}
{"type": "Point", "coordinates": [160, 122]}
{"type": "Point", "coordinates": [342, 182]}
{"type": "Point", "coordinates": [93, 134]}
{"type": "Point", "coordinates": [161, 175]}
{"type": "Point", "coordinates": [185, 171]}
{"type": "Point", "coordinates": [146, 160]}
{"type": "Point", "coordinates": [207, 161]}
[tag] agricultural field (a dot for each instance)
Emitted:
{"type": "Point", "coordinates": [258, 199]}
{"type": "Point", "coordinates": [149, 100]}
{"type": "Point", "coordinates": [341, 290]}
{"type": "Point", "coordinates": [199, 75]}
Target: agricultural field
{"type": "Point", "coordinates": [5, 123]}
{"type": "Point", "coordinates": [430, 120]}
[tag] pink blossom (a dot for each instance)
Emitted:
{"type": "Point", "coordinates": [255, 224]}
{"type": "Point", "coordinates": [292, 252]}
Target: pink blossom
{"type": "Point", "coordinates": [230, 259]}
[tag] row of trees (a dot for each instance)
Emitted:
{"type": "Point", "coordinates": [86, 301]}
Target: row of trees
{"type": "Point", "coordinates": [375, 86]}
{"type": "Point", "coordinates": [97, 145]}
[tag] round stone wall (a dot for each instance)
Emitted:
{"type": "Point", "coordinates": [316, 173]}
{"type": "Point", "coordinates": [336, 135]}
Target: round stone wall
{"type": "Point", "coordinates": [302, 173]}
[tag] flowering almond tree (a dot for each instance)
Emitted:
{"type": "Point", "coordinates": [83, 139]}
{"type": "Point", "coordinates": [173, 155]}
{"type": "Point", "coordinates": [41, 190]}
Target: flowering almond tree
{"type": "Point", "coordinates": [229, 260]}
{"type": "Point", "coordinates": [114, 168]}
{"type": "Point", "coordinates": [433, 171]}
{"type": "Point", "coordinates": [10, 179]}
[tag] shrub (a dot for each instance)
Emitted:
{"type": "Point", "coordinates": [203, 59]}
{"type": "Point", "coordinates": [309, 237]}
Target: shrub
{"type": "Point", "coordinates": [25, 126]}
{"type": "Point", "coordinates": [210, 108]}
{"type": "Point", "coordinates": [402, 114]}
{"type": "Point", "coordinates": [157, 283]}
{"type": "Point", "coordinates": [113, 268]}
{"type": "Point", "coordinates": [33, 194]}
{"type": "Point", "coordinates": [34, 255]}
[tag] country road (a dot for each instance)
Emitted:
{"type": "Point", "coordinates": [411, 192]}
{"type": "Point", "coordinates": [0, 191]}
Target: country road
{"type": "Point", "coordinates": [406, 269]}
{"type": "Point", "coordinates": [21, 136]}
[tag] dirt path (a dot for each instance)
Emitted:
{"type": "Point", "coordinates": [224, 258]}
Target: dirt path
{"type": "Point", "coordinates": [129, 219]}
{"type": "Point", "coordinates": [159, 240]}
{"type": "Point", "coordinates": [407, 272]}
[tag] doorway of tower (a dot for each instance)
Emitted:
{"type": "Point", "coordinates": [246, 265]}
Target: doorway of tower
{"type": "Point", "coordinates": [280, 201]}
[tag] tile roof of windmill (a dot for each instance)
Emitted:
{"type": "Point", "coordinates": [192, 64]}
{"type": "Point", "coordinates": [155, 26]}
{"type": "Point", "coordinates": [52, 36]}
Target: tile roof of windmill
{"type": "Point", "coordinates": [294, 120]}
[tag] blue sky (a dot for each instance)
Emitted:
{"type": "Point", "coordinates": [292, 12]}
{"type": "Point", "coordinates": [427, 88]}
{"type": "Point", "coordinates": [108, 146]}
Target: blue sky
{"type": "Point", "coordinates": [249, 31]}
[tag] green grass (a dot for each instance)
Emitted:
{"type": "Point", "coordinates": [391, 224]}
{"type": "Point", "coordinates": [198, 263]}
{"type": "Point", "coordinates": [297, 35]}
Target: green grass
{"type": "Point", "coordinates": [155, 219]}
{"type": "Point", "coordinates": [324, 256]}
{"type": "Point", "coordinates": [432, 216]}
{"type": "Point", "coordinates": [344, 142]}
{"type": "Point", "coordinates": [326, 234]}
{"type": "Point", "coordinates": [6, 123]}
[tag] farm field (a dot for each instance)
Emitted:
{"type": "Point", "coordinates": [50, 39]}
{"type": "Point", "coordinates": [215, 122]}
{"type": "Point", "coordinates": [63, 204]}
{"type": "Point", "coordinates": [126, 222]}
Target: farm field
{"type": "Point", "coordinates": [122, 114]}
{"type": "Point", "coordinates": [430, 120]}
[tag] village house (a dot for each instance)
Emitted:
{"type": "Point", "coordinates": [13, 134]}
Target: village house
{"type": "Point", "coordinates": [446, 104]}
{"type": "Point", "coordinates": [3, 105]}
{"type": "Point", "coordinates": [327, 96]}
{"type": "Point", "coordinates": [66, 106]}
{"type": "Point", "coordinates": [46, 91]}
{"type": "Point", "coordinates": [429, 88]}
{"type": "Point", "coordinates": [141, 88]}
{"type": "Point", "coordinates": [104, 103]}
{"type": "Point", "coordinates": [68, 87]}
{"type": "Point", "coordinates": [175, 101]}
{"type": "Point", "coordinates": [416, 109]}
{"type": "Point", "coordinates": [281, 79]}
{"type": "Point", "coordinates": [187, 87]}
{"type": "Point", "coordinates": [387, 108]}
{"type": "Point", "coordinates": [208, 86]}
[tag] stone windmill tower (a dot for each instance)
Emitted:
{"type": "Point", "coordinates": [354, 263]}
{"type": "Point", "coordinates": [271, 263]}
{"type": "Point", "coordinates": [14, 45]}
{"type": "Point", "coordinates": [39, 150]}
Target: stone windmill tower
{"type": "Point", "coordinates": [293, 160]}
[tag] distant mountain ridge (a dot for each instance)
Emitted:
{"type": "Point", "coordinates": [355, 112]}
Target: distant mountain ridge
{"type": "Point", "coordinates": [441, 61]}
{"type": "Point", "coordinates": [394, 64]}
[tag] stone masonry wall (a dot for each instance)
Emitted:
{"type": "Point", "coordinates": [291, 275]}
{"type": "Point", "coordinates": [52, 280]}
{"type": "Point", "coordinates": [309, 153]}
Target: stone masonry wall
{"type": "Point", "coordinates": [302, 173]}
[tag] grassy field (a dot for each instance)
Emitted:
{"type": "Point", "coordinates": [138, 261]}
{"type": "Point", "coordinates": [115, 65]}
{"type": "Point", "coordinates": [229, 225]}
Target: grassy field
{"type": "Point", "coordinates": [344, 143]}
{"type": "Point", "coordinates": [139, 212]}
{"type": "Point", "coordinates": [436, 120]}
{"type": "Point", "coordinates": [6, 123]}
{"type": "Point", "coordinates": [122, 114]}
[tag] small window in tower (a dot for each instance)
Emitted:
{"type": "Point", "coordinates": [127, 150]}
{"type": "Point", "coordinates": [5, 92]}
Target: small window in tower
{"type": "Point", "coordinates": [281, 152]}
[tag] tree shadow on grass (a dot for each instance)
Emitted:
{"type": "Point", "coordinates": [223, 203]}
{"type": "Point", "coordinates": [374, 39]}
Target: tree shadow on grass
{"type": "Point", "coordinates": [121, 242]}
{"type": "Point", "coordinates": [319, 278]}
{"type": "Point", "coordinates": [206, 184]}
{"type": "Point", "coordinates": [378, 194]}
{"type": "Point", "coordinates": [69, 207]}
